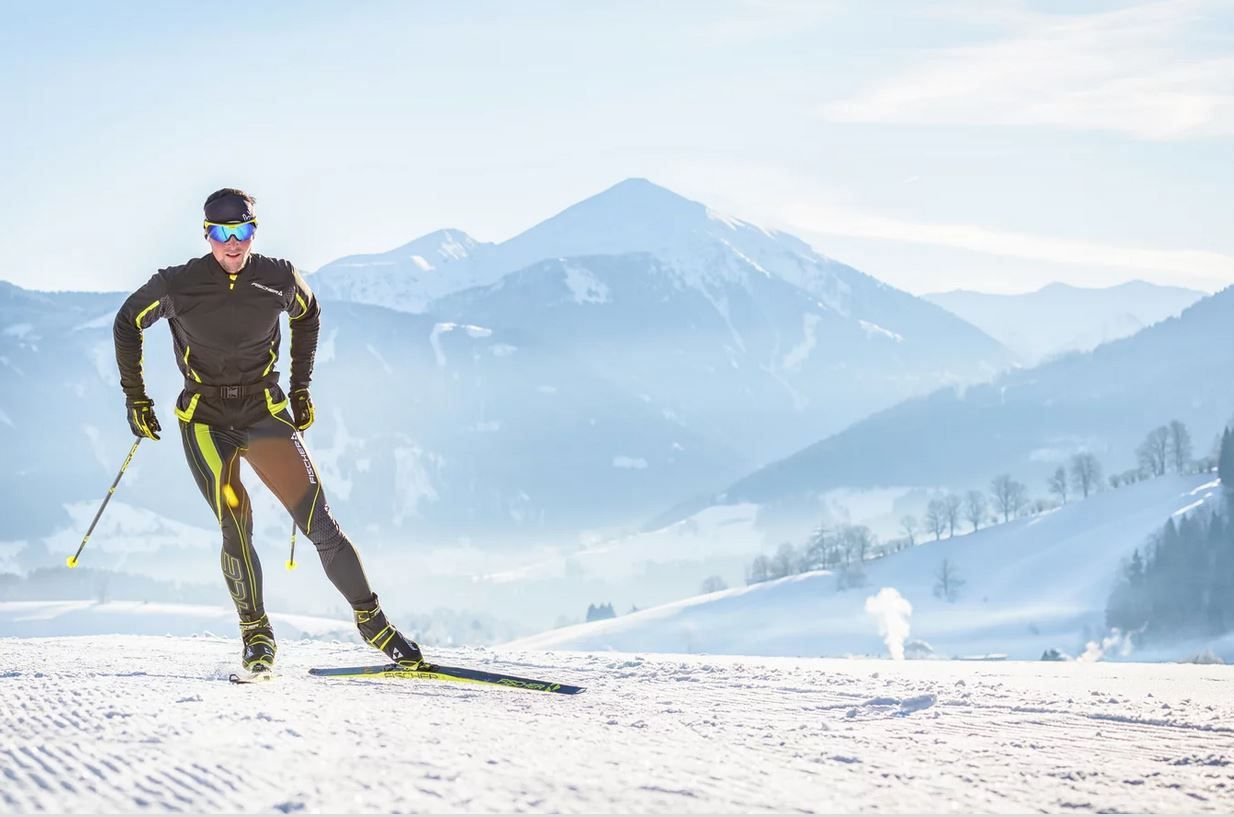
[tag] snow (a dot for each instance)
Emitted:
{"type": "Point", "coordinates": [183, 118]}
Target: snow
{"type": "Point", "coordinates": [875, 329]}
{"type": "Point", "coordinates": [123, 723]}
{"type": "Point", "coordinates": [801, 352]}
{"type": "Point", "coordinates": [584, 287]}
{"type": "Point", "coordinates": [1030, 585]}
{"type": "Point", "coordinates": [412, 483]}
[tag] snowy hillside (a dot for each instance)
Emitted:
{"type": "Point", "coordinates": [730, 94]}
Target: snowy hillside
{"type": "Point", "coordinates": [1029, 585]}
{"type": "Point", "coordinates": [61, 618]}
{"type": "Point", "coordinates": [1060, 318]}
{"type": "Point", "coordinates": [123, 723]}
{"type": "Point", "coordinates": [1025, 422]}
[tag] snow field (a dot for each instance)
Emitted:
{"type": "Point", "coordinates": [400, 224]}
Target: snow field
{"type": "Point", "coordinates": [140, 723]}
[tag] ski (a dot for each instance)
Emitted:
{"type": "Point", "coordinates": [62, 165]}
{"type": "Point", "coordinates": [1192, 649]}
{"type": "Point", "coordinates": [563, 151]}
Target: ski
{"type": "Point", "coordinates": [437, 672]}
{"type": "Point", "coordinates": [259, 677]}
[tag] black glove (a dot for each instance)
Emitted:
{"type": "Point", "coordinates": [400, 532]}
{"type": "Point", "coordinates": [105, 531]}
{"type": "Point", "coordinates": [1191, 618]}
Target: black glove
{"type": "Point", "coordinates": [302, 408]}
{"type": "Point", "coordinates": [141, 417]}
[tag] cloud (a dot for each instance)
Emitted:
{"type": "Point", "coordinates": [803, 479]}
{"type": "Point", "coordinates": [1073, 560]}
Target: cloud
{"type": "Point", "coordinates": [1135, 71]}
{"type": "Point", "coordinates": [815, 217]}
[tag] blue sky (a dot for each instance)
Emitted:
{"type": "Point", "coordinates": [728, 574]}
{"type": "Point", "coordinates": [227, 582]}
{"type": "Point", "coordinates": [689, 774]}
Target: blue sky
{"type": "Point", "coordinates": [969, 144]}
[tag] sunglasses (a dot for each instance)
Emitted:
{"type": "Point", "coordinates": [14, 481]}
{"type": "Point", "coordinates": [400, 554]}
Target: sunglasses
{"type": "Point", "coordinates": [223, 232]}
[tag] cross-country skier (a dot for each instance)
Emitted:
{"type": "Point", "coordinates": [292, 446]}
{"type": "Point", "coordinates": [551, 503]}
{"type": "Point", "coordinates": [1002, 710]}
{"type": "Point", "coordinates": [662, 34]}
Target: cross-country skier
{"type": "Point", "coordinates": [223, 309]}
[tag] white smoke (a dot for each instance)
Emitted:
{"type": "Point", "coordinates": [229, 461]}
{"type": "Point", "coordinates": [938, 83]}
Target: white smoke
{"type": "Point", "coordinates": [1116, 643]}
{"type": "Point", "coordinates": [891, 611]}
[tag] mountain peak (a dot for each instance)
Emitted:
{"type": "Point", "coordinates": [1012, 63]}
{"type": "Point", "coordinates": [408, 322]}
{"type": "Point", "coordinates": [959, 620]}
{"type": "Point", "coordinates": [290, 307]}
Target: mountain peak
{"type": "Point", "coordinates": [639, 198]}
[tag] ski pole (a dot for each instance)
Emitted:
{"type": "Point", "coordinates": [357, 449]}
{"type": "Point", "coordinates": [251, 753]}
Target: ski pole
{"type": "Point", "coordinates": [72, 560]}
{"type": "Point", "coordinates": [291, 561]}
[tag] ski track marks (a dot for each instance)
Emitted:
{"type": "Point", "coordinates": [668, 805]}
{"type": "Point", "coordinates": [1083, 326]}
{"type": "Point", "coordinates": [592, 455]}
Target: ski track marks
{"type": "Point", "coordinates": [137, 724]}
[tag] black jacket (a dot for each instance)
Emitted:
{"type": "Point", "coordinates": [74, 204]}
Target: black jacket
{"type": "Point", "coordinates": [225, 331]}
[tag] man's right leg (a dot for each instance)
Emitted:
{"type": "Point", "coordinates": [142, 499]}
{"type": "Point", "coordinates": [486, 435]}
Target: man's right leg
{"type": "Point", "coordinates": [213, 455]}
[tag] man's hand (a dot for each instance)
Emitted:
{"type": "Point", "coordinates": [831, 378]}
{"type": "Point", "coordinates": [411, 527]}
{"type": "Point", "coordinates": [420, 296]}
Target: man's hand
{"type": "Point", "coordinates": [141, 417]}
{"type": "Point", "coordinates": [302, 408]}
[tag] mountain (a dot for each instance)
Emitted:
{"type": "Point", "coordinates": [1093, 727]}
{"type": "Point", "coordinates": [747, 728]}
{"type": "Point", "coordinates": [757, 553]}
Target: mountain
{"type": "Point", "coordinates": [1026, 423]}
{"type": "Point", "coordinates": [1060, 318]}
{"type": "Point", "coordinates": [746, 335]}
{"type": "Point", "coordinates": [406, 277]}
{"type": "Point", "coordinates": [428, 431]}
{"type": "Point", "coordinates": [1029, 585]}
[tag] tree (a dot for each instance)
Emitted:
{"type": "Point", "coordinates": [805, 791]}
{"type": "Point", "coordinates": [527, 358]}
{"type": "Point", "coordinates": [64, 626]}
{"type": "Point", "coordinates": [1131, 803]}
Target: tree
{"type": "Point", "coordinates": [1009, 495]}
{"type": "Point", "coordinates": [908, 524]}
{"type": "Point", "coordinates": [1225, 460]}
{"type": "Point", "coordinates": [817, 550]}
{"type": "Point", "coordinates": [952, 503]}
{"type": "Point", "coordinates": [1179, 446]}
{"type": "Point", "coordinates": [857, 541]}
{"type": "Point", "coordinates": [713, 584]}
{"type": "Point", "coordinates": [1085, 472]}
{"type": "Point", "coordinates": [947, 581]}
{"type": "Point", "coordinates": [1058, 484]}
{"type": "Point", "coordinates": [936, 518]}
{"type": "Point", "coordinates": [1153, 453]}
{"type": "Point", "coordinates": [784, 563]}
{"type": "Point", "coordinates": [596, 612]}
{"type": "Point", "coordinates": [759, 570]}
{"type": "Point", "coordinates": [1116, 480]}
{"type": "Point", "coordinates": [975, 508]}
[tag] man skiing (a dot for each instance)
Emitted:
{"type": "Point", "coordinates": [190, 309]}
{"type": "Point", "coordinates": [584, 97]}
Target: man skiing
{"type": "Point", "coordinates": [223, 309]}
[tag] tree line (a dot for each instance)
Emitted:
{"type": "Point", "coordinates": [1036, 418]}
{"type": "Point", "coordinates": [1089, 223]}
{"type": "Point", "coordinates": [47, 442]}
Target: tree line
{"type": "Point", "coordinates": [1183, 581]}
{"type": "Point", "coordinates": [845, 547]}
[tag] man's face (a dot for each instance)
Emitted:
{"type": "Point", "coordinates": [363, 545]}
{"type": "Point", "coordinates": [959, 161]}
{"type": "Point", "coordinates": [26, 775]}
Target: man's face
{"type": "Point", "coordinates": [232, 255]}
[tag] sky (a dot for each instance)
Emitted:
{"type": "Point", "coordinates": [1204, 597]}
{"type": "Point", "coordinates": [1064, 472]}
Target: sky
{"type": "Point", "coordinates": [962, 144]}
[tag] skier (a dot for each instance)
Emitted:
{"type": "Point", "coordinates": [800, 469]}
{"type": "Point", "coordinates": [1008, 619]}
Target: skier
{"type": "Point", "coordinates": [223, 309]}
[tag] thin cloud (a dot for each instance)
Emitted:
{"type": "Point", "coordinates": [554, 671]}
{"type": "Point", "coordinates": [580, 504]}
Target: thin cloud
{"type": "Point", "coordinates": [1132, 71]}
{"type": "Point", "coordinates": [1213, 267]}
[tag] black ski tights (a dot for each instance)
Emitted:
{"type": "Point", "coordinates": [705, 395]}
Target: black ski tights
{"type": "Point", "coordinates": [275, 451]}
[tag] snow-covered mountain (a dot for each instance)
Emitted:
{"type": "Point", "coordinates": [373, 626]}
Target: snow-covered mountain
{"type": "Point", "coordinates": [427, 431]}
{"type": "Point", "coordinates": [1025, 422]}
{"type": "Point", "coordinates": [406, 277]}
{"type": "Point", "coordinates": [1029, 585]}
{"type": "Point", "coordinates": [748, 336]}
{"type": "Point", "coordinates": [1060, 318]}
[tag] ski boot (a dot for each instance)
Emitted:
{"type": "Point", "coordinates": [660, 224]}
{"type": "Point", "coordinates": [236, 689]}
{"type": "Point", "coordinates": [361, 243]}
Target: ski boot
{"type": "Point", "coordinates": [376, 629]}
{"type": "Point", "coordinates": [259, 646]}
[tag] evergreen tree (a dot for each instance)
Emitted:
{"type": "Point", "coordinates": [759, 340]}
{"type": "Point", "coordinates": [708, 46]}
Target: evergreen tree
{"type": "Point", "coordinates": [1225, 460]}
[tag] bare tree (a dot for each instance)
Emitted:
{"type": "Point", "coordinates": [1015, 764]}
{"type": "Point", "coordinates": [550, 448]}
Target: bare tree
{"type": "Point", "coordinates": [936, 518]}
{"type": "Point", "coordinates": [759, 570]}
{"type": "Point", "coordinates": [947, 581]}
{"type": "Point", "coordinates": [1180, 446]}
{"type": "Point", "coordinates": [1085, 472]}
{"type": "Point", "coordinates": [858, 541]}
{"type": "Point", "coordinates": [952, 503]}
{"type": "Point", "coordinates": [818, 550]}
{"type": "Point", "coordinates": [1058, 484]}
{"type": "Point", "coordinates": [908, 524]}
{"type": "Point", "coordinates": [975, 508]}
{"type": "Point", "coordinates": [784, 563]}
{"type": "Point", "coordinates": [1116, 480]}
{"type": "Point", "coordinates": [1009, 495]}
{"type": "Point", "coordinates": [1153, 453]}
